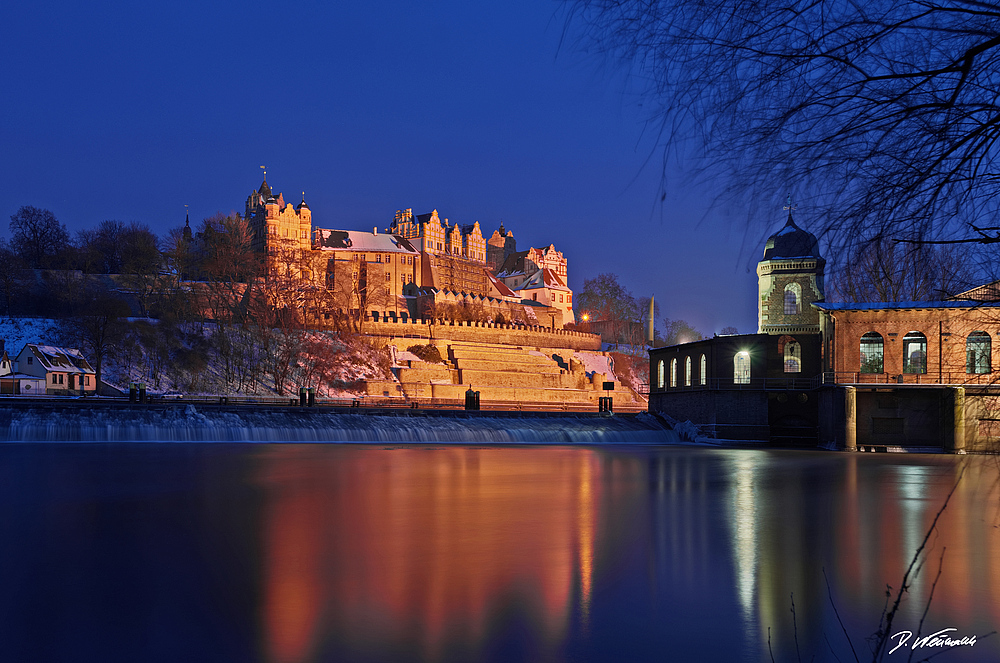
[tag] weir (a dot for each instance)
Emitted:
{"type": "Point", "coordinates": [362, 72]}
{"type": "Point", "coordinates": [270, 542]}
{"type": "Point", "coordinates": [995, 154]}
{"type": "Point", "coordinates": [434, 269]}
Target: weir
{"type": "Point", "coordinates": [189, 423]}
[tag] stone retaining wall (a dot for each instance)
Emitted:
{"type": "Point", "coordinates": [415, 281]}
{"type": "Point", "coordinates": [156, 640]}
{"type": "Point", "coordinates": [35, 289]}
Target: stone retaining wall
{"type": "Point", "coordinates": [485, 332]}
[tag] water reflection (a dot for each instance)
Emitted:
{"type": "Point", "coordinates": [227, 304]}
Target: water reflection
{"type": "Point", "coordinates": [424, 551]}
{"type": "Point", "coordinates": [295, 554]}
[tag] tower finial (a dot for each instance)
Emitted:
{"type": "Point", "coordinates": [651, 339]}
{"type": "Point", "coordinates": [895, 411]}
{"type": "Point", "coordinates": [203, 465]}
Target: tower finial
{"type": "Point", "coordinates": [264, 168]}
{"type": "Point", "coordinates": [187, 217]}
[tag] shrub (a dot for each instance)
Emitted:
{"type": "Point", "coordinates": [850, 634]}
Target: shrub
{"type": "Point", "coordinates": [428, 353]}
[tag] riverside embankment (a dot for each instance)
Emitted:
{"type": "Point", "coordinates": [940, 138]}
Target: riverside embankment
{"type": "Point", "coordinates": [105, 420]}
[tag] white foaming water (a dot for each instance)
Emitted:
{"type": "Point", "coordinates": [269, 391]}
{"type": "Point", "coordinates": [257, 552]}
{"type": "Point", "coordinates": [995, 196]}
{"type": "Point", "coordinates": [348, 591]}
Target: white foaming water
{"type": "Point", "coordinates": [270, 426]}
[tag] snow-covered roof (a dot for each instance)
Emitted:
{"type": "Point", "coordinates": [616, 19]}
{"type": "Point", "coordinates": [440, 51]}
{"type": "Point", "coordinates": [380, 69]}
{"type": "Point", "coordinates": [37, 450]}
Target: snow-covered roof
{"type": "Point", "coordinates": [500, 286]}
{"type": "Point", "coordinates": [544, 278]}
{"type": "Point", "coordinates": [358, 240]}
{"type": "Point", "coordinates": [65, 360]}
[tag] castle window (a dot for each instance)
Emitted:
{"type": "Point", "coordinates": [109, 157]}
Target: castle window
{"type": "Point", "coordinates": [977, 353]}
{"type": "Point", "coordinates": [704, 370]}
{"type": "Point", "coordinates": [673, 372]}
{"type": "Point", "coordinates": [430, 244]}
{"type": "Point", "coordinates": [793, 293]}
{"type": "Point", "coordinates": [687, 371]}
{"type": "Point", "coordinates": [793, 357]}
{"type": "Point", "coordinates": [378, 258]}
{"type": "Point", "coordinates": [741, 367]}
{"type": "Point", "coordinates": [388, 277]}
{"type": "Point", "coordinates": [659, 374]}
{"type": "Point", "coordinates": [914, 352]}
{"type": "Point", "coordinates": [872, 348]}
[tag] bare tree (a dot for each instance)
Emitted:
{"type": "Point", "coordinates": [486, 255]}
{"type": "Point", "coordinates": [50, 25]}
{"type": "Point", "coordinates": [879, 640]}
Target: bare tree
{"type": "Point", "coordinates": [608, 305]}
{"type": "Point", "coordinates": [887, 271]}
{"type": "Point", "coordinates": [97, 326]}
{"type": "Point", "coordinates": [36, 236]}
{"type": "Point", "coordinates": [882, 113]}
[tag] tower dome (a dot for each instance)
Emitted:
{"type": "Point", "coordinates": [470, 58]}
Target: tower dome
{"type": "Point", "coordinates": [791, 242]}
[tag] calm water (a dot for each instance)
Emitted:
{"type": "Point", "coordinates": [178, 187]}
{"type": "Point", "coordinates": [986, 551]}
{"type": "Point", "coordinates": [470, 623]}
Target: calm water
{"type": "Point", "coordinates": [294, 553]}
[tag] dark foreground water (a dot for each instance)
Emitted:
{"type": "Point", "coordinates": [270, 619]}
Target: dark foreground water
{"type": "Point", "coordinates": [198, 552]}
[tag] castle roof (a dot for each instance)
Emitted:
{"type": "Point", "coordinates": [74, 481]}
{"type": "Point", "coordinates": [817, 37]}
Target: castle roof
{"type": "Point", "coordinates": [791, 242]}
{"type": "Point", "coordinates": [264, 190]}
{"type": "Point", "coordinates": [358, 240]}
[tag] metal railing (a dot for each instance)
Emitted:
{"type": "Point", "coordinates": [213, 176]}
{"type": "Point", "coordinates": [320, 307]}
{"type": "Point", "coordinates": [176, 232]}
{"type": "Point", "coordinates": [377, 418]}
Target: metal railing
{"type": "Point", "coordinates": [943, 377]}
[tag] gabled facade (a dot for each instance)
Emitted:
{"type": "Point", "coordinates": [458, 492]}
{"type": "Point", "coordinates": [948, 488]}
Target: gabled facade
{"type": "Point", "coordinates": [64, 371]}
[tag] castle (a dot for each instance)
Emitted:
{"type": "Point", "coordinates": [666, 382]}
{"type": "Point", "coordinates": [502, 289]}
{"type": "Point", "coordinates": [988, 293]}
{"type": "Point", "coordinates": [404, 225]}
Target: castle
{"type": "Point", "coordinates": [420, 266]}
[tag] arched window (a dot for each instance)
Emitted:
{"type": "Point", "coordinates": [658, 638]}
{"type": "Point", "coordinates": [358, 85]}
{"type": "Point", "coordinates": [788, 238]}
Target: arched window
{"type": "Point", "coordinates": [673, 372]}
{"type": "Point", "coordinates": [687, 371]}
{"type": "Point", "coordinates": [659, 374]}
{"type": "Point", "coordinates": [741, 367]}
{"type": "Point", "coordinates": [793, 357]}
{"type": "Point", "coordinates": [793, 295]}
{"type": "Point", "coordinates": [977, 352]}
{"type": "Point", "coordinates": [704, 370]}
{"type": "Point", "coordinates": [872, 348]}
{"type": "Point", "coordinates": [914, 352]}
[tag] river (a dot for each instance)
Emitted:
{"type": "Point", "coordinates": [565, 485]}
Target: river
{"type": "Point", "coordinates": [306, 552]}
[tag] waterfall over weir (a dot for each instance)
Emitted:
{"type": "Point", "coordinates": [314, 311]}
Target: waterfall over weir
{"type": "Point", "coordinates": [189, 424]}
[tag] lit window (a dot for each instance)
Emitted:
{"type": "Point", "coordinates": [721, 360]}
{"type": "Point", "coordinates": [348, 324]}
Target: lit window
{"type": "Point", "coordinates": [914, 352]}
{"type": "Point", "coordinates": [793, 293]}
{"type": "Point", "coordinates": [704, 370]}
{"type": "Point", "coordinates": [673, 372]}
{"type": "Point", "coordinates": [872, 348]}
{"type": "Point", "coordinates": [659, 374]}
{"type": "Point", "coordinates": [977, 353]}
{"type": "Point", "coordinates": [741, 367]}
{"type": "Point", "coordinates": [793, 357]}
{"type": "Point", "coordinates": [687, 371]}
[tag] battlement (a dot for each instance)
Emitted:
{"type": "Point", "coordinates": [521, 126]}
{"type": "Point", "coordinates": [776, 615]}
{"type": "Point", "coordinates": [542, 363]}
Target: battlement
{"type": "Point", "coordinates": [485, 332]}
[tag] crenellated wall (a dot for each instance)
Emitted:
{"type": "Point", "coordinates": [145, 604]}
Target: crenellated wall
{"type": "Point", "coordinates": [486, 332]}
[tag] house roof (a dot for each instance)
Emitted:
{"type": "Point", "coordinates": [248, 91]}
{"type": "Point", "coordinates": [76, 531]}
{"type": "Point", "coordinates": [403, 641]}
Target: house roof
{"type": "Point", "coordinates": [66, 360]}
{"type": "Point", "coordinates": [987, 292]}
{"type": "Point", "coordinates": [358, 240]}
{"type": "Point", "coordinates": [544, 278]}
{"type": "Point", "coordinates": [500, 286]}
{"type": "Point", "coordinates": [513, 264]}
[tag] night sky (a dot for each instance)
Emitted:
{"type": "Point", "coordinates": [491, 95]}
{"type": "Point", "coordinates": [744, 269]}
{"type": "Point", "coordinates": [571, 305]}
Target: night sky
{"type": "Point", "coordinates": [484, 111]}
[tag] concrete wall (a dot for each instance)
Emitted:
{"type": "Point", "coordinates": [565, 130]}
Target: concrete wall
{"type": "Point", "coordinates": [734, 415]}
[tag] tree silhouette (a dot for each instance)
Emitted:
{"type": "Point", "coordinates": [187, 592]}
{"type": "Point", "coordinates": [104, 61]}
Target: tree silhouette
{"type": "Point", "coordinates": [884, 113]}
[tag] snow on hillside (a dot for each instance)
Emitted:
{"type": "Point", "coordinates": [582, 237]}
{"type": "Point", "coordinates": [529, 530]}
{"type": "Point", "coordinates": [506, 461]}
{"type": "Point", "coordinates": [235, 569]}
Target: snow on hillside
{"type": "Point", "coordinates": [16, 332]}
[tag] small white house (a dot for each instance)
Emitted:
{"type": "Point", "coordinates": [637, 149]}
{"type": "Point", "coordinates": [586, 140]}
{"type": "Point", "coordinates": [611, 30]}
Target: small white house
{"type": "Point", "coordinates": [46, 369]}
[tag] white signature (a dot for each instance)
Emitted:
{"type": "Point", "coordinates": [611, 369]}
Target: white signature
{"type": "Point", "coordinates": [939, 639]}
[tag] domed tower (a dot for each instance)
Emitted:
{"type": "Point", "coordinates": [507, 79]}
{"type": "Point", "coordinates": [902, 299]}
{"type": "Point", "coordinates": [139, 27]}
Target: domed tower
{"type": "Point", "coordinates": [789, 279]}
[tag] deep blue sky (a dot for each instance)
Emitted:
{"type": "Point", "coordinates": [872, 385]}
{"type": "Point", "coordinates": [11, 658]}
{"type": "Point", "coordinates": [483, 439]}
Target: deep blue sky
{"type": "Point", "coordinates": [131, 110]}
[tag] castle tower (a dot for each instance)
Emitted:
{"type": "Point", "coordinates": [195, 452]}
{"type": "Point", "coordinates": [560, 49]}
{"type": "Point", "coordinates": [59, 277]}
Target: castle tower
{"type": "Point", "coordinates": [789, 279]}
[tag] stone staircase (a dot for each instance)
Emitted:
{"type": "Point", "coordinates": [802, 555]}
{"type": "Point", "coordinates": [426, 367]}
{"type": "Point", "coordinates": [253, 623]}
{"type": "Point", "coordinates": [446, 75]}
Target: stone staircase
{"type": "Point", "coordinates": [505, 374]}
